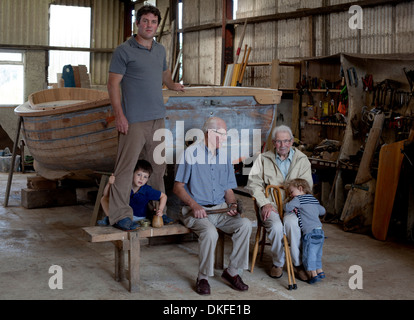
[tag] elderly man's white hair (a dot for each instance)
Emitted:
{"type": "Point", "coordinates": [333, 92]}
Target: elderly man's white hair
{"type": "Point", "coordinates": [212, 123]}
{"type": "Point", "coordinates": [281, 128]}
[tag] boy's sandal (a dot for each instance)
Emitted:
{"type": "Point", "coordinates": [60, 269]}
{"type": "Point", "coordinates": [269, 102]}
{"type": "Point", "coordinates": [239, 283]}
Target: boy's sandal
{"type": "Point", "coordinates": [321, 275]}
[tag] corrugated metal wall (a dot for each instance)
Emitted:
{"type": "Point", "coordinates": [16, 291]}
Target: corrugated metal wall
{"type": "Point", "coordinates": [107, 32]}
{"type": "Point", "coordinates": [24, 22]}
{"type": "Point", "coordinates": [202, 50]}
{"type": "Point", "coordinates": [386, 29]}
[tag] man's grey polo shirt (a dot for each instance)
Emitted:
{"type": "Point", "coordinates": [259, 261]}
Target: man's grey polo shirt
{"type": "Point", "coordinates": [205, 178]}
{"type": "Point", "coordinates": [141, 84]}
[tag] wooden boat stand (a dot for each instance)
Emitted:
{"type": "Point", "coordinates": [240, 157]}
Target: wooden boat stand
{"type": "Point", "coordinates": [10, 178]}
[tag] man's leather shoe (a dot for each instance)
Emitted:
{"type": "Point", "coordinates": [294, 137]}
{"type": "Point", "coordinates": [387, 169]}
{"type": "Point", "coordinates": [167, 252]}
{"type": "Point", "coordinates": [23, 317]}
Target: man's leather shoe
{"type": "Point", "coordinates": [301, 273]}
{"type": "Point", "coordinates": [276, 272]}
{"type": "Point", "coordinates": [202, 287]}
{"type": "Point", "coordinates": [236, 282]}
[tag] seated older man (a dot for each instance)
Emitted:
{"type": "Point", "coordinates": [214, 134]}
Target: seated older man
{"type": "Point", "coordinates": [204, 181]}
{"type": "Point", "coordinates": [274, 167]}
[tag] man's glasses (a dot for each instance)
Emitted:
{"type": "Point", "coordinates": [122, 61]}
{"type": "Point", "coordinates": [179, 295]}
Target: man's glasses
{"type": "Point", "coordinates": [223, 134]}
{"type": "Point", "coordinates": [283, 141]}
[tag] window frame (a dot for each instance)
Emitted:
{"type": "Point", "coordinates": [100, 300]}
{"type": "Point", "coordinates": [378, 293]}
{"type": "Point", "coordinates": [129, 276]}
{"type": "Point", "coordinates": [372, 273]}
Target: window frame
{"type": "Point", "coordinates": [22, 63]}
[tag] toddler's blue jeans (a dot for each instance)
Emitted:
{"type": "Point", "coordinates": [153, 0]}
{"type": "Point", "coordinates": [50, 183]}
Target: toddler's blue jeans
{"type": "Point", "coordinates": [312, 244]}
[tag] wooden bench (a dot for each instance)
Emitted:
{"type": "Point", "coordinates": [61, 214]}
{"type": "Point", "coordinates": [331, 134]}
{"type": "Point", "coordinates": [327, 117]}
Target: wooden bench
{"type": "Point", "coordinates": [130, 242]}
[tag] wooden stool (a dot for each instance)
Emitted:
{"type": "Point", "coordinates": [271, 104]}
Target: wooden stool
{"type": "Point", "coordinates": [129, 242]}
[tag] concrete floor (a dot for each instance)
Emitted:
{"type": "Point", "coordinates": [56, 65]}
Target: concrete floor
{"type": "Point", "coordinates": [31, 241]}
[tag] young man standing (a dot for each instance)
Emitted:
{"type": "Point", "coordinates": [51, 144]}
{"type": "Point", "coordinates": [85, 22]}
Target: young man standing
{"type": "Point", "coordinates": [139, 66]}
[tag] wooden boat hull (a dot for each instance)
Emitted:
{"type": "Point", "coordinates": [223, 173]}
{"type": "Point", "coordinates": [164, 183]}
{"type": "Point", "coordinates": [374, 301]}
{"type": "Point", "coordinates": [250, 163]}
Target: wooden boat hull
{"type": "Point", "coordinates": [70, 139]}
{"type": "Point", "coordinates": [74, 141]}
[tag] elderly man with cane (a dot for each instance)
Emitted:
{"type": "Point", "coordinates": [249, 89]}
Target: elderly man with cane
{"type": "Point", "coordinates": [275, 167]}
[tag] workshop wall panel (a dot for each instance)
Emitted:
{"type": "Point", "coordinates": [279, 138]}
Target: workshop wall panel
{"type": "Point", "coordinates": [24, 22]}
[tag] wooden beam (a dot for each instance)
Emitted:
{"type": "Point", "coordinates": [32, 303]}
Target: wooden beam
{"type": "Point", "coordinates": [129, 6]}
{"type": "Point", "coordinates": [227, 35]}
{"type": "Point", "coordinates": [302, 13]}
{"type": "Point", "coordinates": [48, 48]}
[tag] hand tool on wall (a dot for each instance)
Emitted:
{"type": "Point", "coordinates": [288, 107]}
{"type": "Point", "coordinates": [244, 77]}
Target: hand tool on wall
{"type": "Point", "coordinates": [235, 73]}
{"type": "Point", "coordinates": [352, 77]}
{"type": "Point", "coordinates": [244, 65]}
{"type": "Point", "coordinates": [368, 82]}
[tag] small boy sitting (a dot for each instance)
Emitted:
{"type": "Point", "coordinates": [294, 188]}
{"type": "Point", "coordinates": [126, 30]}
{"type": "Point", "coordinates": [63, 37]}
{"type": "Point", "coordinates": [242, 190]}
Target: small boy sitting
{"type": "Point", "coordinates": [308, 209]}
{"type": "Point", "coordinates": [141, 194]}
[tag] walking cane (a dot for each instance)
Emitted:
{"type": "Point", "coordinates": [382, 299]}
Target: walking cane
{"type": "Point", "coordinates": [289, 265]}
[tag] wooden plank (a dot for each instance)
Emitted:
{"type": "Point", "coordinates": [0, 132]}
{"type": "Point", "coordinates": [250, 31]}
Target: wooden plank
{"type": "Point", "coordinates": [364, 171]}
{"type": "Point", "coordinates": [358, 208]}
{"type": "Point", "coordinates": [40, 183]}
{"type": "Point", "coordinates": [236, 72]}
{"type": "Point", "coordinates": [275, 74]}
{"type": "Point", "coordinates": [76, 75]}
{"type": "Point", "coordinates": [133, 261]}
{"type": "Point", "coordinates": [102, 184]}
{"type": "Point", "coordinates": [164, 231]}
{"type": "Point", "coordinates": [104, 234]}
{"type": "Point", "coordinates": [40, 111]}
{"type": "Point", "coordinates": [84, 77]}
{"type": "Point", "coordinates": [261, 95]}
{"type": "Point", "coordinates": [296, 107]}
{"type": "Point", "coordinates": [59, 94]}
{"type": "Point", "coordinates": [48, 198]}
{"type": "Point", "coordinates": [119, 261]}
{"type": "Point", "coordinates": [67, 132]}
{"type": "Point", "coordinates": [389, 169]}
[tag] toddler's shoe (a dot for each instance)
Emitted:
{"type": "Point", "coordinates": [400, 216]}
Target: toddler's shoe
{"type": "Point", "coordinates": [314, 280]}
{"type": "Point", "coordinates": [104, 222]}
{"type": "Point", "coordinates": [126, 224]}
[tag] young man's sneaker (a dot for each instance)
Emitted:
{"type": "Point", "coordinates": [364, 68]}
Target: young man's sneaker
{"type": "Point", "coordinates": [126, 224]}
